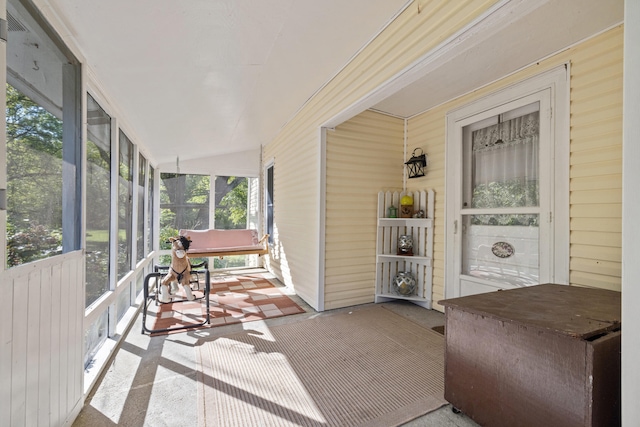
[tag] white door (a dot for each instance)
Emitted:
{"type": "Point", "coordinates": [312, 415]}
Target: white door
{"type": "Point", "coordinates": [501, 194]}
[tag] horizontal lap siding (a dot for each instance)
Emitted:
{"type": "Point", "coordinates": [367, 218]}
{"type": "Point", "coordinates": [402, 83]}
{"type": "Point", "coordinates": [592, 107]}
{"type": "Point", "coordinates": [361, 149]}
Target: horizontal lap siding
{"type": "Point", "coordinates": [596, 162]}
{"type": "Point", "coordinates": [296, 149]}
{"type": "Point", "coordinates": [294, 255]}
{"type": "Point", "coordinates": [427, 132]}
{"type": "Point", "coordinates": [364, 155]}
{"type": "Point", "coordinates": [595, 201]}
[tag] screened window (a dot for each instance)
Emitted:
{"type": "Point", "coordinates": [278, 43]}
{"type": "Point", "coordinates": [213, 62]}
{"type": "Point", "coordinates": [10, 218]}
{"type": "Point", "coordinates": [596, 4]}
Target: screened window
{"type": "Point", "coordinates": [98, 211]}
{"type": "Point", "coordinates": [269, 202]}
{"type": "Point", "coordinates": [34, 174]}
{"type": "Point", "coordinates": [235, 208]}
{"type": "Point", "coordinates": [142, 178]}
{"type": "Point", "coordinates": [184, 204]}
{"type": "Point", "coordinates": [42, 144]}
{"type": "Point", "coordinates": [125, 206]}
{"type": "Point", "coordinates": [150, 210]}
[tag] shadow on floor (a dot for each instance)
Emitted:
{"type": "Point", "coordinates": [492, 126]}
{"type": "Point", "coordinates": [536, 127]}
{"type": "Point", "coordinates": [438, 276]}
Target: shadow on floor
{"type": "Point", "coordinates": [151, 381]}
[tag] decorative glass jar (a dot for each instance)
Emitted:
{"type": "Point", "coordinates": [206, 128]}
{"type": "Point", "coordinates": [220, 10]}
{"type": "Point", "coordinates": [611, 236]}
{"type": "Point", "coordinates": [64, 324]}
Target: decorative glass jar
{"type": "Point", "coordinates": [404, 283]}
{"type": "Point", "coordinates": [405, 244]}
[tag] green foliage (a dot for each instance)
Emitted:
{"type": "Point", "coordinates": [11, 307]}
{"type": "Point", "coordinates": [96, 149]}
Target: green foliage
{"type": "Point", "coordinates": [231, 212]}
{"type": "Point", "coordinates": [184, 203]}
{"type": "Point", "coordinates": [506, 194]}
{"type": "Point", "coordinates": [32, 244]}
{"type": "Point", "coordinates": [97, 267]}
{"type": "Point", "coordinates": [230, 261]}
{"type": "Point", "coordinates": [32, 125]}
{"type": "Point", "coordinates": [34, 175]}
{"type": "Point", "coordinates": [165, 234]}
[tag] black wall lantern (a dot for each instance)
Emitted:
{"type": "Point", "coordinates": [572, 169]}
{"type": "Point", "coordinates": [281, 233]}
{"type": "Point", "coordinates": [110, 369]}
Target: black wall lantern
{"type": "Point", "coordinates": [416, 164]}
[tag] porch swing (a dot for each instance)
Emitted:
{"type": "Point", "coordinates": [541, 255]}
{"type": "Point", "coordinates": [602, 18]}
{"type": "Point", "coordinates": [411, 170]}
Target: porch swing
{"type": "Point", "coordinates": [221, 243]}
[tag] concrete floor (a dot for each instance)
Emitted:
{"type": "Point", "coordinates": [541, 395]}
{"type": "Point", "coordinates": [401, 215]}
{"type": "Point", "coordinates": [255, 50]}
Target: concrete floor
{"type": "Point", "coordinates": [151, 381]}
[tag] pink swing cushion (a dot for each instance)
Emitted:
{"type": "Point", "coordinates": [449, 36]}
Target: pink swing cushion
{"type": "Point", "coordinates": [219, 243]}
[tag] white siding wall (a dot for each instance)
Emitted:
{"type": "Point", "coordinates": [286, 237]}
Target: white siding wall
{"type": "Point", "coordinates": [41, 336]}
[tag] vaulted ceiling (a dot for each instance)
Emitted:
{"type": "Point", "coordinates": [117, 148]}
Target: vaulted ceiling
{"type": "Point", "coordinates": [202, 78]}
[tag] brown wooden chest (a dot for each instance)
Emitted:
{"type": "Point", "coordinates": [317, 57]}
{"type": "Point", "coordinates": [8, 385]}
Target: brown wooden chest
{"type": "Point", "coordinates": [545, 355]}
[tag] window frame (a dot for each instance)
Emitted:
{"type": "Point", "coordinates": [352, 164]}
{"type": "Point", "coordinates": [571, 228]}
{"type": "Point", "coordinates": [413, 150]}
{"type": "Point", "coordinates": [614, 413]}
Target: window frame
{"type": "Point", "coordinates": [72, 128]}
{"type": "Point", "coordinates": [269, 186]}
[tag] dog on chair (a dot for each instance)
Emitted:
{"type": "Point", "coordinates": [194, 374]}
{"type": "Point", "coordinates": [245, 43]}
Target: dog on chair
{"type": "Point", "coordinates": [179, 270]}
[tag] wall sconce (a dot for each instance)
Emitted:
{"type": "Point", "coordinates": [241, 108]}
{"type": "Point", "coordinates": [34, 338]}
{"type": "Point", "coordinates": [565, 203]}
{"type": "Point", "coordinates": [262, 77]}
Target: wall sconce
{"type": "Point", "coordinates": [416, 164]}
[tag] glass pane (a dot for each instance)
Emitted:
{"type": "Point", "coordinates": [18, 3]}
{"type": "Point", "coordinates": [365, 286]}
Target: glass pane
{"type": "Point", "coordinates": [269, 207]}
{"type": "Point", "coordinates": [98, 200]}
{"type": "Point", "coordinates": [502, 163]}
{"type": "Point", "coordinates": [125, 208]}
{"type": "Point", "coordinates": [140, 281]}
{"type": "Point", "coordinates": [142, 177]}
{"type": "Point", "coordinates": [231, 213]}
{"type": "Point", "coordinates": [184, 204]}
{"type": "Point", "coordinates": [95, 336]}
{"type": "Point", "coordinates": [501, 248]}
{"type": "Point", "coordinates": [34, 180]}
{"type": "Point", "coordinates": [38, 72]}
{"type": "Point", "coordinates": [150, 210]}
{"type": "Point", "coordinates": [124, 302]}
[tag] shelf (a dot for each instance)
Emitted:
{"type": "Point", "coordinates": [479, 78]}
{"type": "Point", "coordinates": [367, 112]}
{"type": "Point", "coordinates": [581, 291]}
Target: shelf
{"type": "Point", "coordinates": [426, 303]}
{"type": "Point", "coordinates": [389, 263]}
{"type": "Point", "coordinates": [399, 222]}
{"type": "Point", "coordinates": [389, 257]}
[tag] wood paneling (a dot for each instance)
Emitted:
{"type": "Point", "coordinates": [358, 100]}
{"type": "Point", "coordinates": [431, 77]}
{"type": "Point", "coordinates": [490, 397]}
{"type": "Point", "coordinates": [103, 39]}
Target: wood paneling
{"type": "Point", "coordinates": [41, 354]}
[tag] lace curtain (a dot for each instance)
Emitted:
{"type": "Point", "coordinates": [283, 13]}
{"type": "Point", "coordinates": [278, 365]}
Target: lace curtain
{"type": "Point", "coordinates": [505, 163]}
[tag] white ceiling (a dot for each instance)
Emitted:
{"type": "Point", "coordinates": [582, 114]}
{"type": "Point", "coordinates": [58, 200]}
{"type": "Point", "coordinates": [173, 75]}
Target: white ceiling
{"type": "Point", "coordinates": [507, 40]}
{"type": "Point", "coordinates": [216, 76]}
{"type": "Point", "coordinates": [202, 78]}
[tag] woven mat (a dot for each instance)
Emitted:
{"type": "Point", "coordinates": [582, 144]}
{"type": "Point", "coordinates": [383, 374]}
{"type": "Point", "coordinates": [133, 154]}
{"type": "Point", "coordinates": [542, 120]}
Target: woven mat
{"type": "Point", "coordinates": [233, 299]}
{"type": "Point", "coordinates": [370, 367]}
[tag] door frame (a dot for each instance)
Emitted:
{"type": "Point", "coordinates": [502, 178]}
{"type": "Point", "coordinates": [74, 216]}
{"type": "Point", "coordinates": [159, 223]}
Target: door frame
{"type": "Point", "coordinates": [557, 81]}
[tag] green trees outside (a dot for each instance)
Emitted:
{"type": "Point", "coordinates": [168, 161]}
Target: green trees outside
{"type": "Point", "coordinates": [506, 194]}
{"type": "Point", "coordinates": [34, 180]}
{"type": "Point", "coordinates": [231, 202]}
{"type": "Point", "coordinates": [34, 193]}
{"type": "Point", "coordinates": [184, 204]}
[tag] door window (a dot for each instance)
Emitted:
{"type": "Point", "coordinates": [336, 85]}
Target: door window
{"type": "Point", "coordinates": [502, 157]}
{"type": "Point", "coordinates": [507, 187]}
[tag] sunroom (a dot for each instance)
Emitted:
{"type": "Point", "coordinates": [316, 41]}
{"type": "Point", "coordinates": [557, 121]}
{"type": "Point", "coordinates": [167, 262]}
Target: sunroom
{"type": "Point", "coordinates": [126, 122]}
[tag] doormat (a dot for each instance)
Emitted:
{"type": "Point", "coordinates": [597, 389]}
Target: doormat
{"type": "Point", "coordinates": [232, 299]}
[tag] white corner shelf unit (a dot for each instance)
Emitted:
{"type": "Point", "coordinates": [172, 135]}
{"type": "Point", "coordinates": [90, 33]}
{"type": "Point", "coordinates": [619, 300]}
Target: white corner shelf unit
{"type": "Point", "coordinates": [389, 263]}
